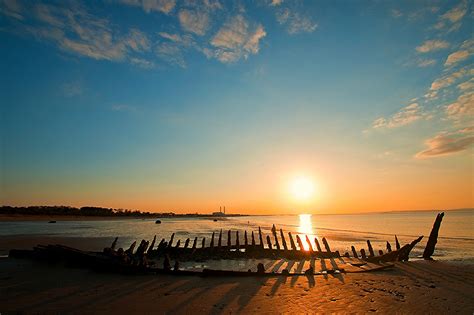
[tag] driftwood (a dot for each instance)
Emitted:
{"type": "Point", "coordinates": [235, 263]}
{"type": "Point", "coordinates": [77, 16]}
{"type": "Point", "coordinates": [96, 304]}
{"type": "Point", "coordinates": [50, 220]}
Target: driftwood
{"type": "Point", "coordinates": [433, 239]}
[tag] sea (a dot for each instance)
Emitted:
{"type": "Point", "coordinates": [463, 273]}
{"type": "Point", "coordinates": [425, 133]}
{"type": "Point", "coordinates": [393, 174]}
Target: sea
{"type": "Point", "coordinates": [455, 241]}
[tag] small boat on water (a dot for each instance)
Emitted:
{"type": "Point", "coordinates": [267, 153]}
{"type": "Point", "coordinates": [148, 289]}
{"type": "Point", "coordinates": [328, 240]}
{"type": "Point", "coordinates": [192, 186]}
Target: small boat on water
{"type": "Point", "coordinates": [52, 221]}
{"type": "Point", "coordinates": [158, 221]}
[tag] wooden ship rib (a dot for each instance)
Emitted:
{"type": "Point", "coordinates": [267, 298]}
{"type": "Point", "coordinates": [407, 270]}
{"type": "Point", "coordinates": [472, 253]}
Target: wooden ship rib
{"type": "Point", "coordinates": [269, 255]}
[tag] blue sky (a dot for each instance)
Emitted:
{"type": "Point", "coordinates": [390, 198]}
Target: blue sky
{"type": "Point", "coordinates": [185, 105]}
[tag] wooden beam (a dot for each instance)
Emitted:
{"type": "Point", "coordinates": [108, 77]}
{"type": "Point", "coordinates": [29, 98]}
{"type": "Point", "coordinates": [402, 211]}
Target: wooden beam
{"type": "Point", "coordinates": [318, 246]}
{"type": "Point", "coordinates": [283, 241]}
{"type": "Point", "coordinates": [371, 250]}
{"type": "Point", "coordinates": [354, 252]}
{"type": "Point", "coordinates": [433, 239]}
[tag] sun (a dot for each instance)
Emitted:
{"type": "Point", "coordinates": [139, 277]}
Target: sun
{"type": "Point", "coordinates": [302, 188]}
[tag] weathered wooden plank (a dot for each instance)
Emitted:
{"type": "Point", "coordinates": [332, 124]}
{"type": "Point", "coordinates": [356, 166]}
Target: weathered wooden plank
{"type": "Point", "coordinates": [318, 246]}
{"type": "Point", "coordinates": [354, 252]}
{"type": "Point", "coordinates": [186, 243]}
{"type": "Point", "coordinates": [397, 244]}
{"type": "Point", "coordinates": [245, 239]}
{"type": "Point", "coordinates": [371, 250]}
{"type": "Point", "coordinates": [309, 244]}
{"type": "Point", "coordinates": [389, 247]}
{"type": "Point", "coordinates": [237, 241]}
{"type": "Point", "coordinates": [292, 242]}
{"type": "Point", "coordinates": [212, 239]}
{"type": "Point", "coordinates": [203, 244]}
{"type": "Point", "coordinates": [171, 241]}
{"type": "Point", "coordinates": [260, 237]}
{"type": "Point", "coordinates": [283, 240]}
{"type": "Point", "coordinates": [433, 238]}
{"type": "Point", "coordinates": [253, 239]}
{"type": "Point", "coordinates": [152, 245]}
{"type": "Point", "coordinates": [326, 245]}
{"type": "Point", "coordinates": [195, 242]}
{"type": "Point", "coordinates": [269, 242]}
{"type": "Point", "coordinates": [229, 239]}
{"type": "Point", "coordinates": [362, 253]}
{"type": "Point", "coordinates": [219, 242]}
{"type": "Point", "coordinates": [300, 244]}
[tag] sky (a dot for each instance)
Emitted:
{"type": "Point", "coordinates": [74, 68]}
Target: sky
{"type": "Point", "coordinates": [185, 106]}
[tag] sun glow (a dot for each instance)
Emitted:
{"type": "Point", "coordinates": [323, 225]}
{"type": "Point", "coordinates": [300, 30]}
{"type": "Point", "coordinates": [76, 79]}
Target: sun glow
{"type": "Point", "coordinates": [302, 188]}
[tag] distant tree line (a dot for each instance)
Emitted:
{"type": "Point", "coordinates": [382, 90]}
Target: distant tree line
{"type": "Point", "coordinates": [66, 210]}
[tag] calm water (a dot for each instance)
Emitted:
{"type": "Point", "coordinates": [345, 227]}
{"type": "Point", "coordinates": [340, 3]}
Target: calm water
{"type": "Point", "coordinates": [456, 241]}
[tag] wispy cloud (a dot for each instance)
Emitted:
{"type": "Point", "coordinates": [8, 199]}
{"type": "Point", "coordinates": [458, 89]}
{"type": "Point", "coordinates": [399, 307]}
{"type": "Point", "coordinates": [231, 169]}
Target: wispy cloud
{"type": "Point", "coordinates": [432, 45]}
{"type": "Point", "coordinates": [194, 21]}
{"type": "Point", "coordinates": [235, 40]}
{"type": "Point", "coordinates": [295, 22]}
{"type": "Point", "coordinates": [11, 8]}
{"type": "Point", "coordinates": [446, 143]}
{"type": "Point", "coordinates": [163, 6]}
{"type": "Point", "coordinates": [450, 78]}
{"type": "Point", "coordinates": [451, 20]}
{"type": "Point", "coordinates": [465, 51]}
{"type": "Point", "coordinates": [275, 3]}
{"type": "Point", "coordinates": [72, 89]}
{"type": "Point", "coordinates": [462, 108]}
{"type": "Point", "coordinates": [73, 29]}
{"type": "Point", "coordinates": [404, 116]}
{"type": "Point", "coordinates": [124, 108]}
{"type": "Point", "coordinates": [467, 85]}
{"type": "Point", "coordinates": [426, 62]}
{"type": "Point", "coordinates": [143, 63]}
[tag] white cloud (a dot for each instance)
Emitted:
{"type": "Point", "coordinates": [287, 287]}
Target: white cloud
{"type": "Point", "coordinates": [295, 22]}
{"type": "Point", "coordinates": [462, 109]}
{"type": "Point", "coordinates": [449, 79]}
{"type": "Point", "coordinates": [456, 57]}
{"type": "Point", "coordinates": [446, 143]}
{"type": "Point", "coordinates": [142, 63]}
{"type": "Point", "coordinates": [396, 13]}
{"type": "Point", "coordinates": [275, 3]}
{"type": "Point", "coordinates": [467, 85]}
{"type": "Point", "coordinates": [171, 53]}
{"type": "Point", "coordinates": [195, 21]}
{"type": "Point", "coordinates": [164, 6]}
{"type": "Point", "coordinates": [432, 45]}
{"type": "Point", "coordinates": [404, 116]}
{"type": "Point", "coordinates": [426, 62]}
{"type": "Point", "coordinates": [235, 40]}
{"type": "Point", "coordinates": [451, 20]}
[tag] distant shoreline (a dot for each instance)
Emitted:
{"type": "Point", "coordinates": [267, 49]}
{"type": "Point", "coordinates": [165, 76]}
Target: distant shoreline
{"type": "Point", "coordinates": [44, 217]}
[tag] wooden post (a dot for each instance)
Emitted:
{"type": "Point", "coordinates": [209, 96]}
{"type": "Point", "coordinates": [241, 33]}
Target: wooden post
{"type": "Point", "coordinates": [253, 240]}
{"type": "Point", "coordinates": [195, 242]}
{"type": "Point", "coordinates": [317, 244]}
{"type": "Point", "coordinates": [203, 245]}
{"type": "Point", "coordinates": [371, 250]}
{"type": "Point", "coordinates": [260, 236]}
{"type": "Point", "coordinates": [237, 241]}
{"type": "Point", "coordinates": [219, 242]}
{"type": "Point", "coordinates": [283, 241]}
{"type": "Point", "coordinates": [380, 252]}
{"type": "Point", "coordinates": [354, 252]}
{"type": "Point", "coordinates": [404, 252]}
{"type": "Point", "coordinates": [186, 244]}
{"type": "Point", "coordinates": [397, 244]}
{"type": "Point", "coordinates": [246, 242]}
{"type": "Point", "coordinates": [326, 245]}
{"type": "Point", "coordinates": [269, 242]}
{"type": "Point", "coordinates": [212, 240]}
{"type": "Point", "coordinates": [171, 240]}
{"type": "Point", "coordinates": [162, 244]}
{"type": "Point", "coordinates": [300, 243]}
{"type": "Point", "coordinates": [346, 254]}
{"type": "Point", "coordinates": [152, 245]}
{"type": "Point", "coordinates": [274, 232]}
{"type": "Point", "coordinates": [292, 242]}
{"type": "Point", "coordinates": [389, 247]}
{"type": "Point", "coordinates": [309, 244]}
{"type": "Point", "coordinates": [229, 239]}
{"type": "Point", "coordinates": [178, 243]}
{"type": "Point", "coordinates": [362, 253]}
{"type": "Point", "coordinates": [114, 243]}
{"type": "Point", "coordinates": [132, 247]}
{"type": "Point", "coordinates": [433, 239]}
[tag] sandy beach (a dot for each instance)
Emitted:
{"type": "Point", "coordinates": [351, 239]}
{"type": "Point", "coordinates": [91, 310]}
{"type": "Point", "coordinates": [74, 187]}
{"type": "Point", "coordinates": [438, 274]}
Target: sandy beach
{"type": "Point", "coordinates": [417, 287]}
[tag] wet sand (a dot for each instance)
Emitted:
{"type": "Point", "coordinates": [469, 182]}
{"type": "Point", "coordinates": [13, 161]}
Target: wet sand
{"type": "Point", "coordinates": [417, 287]}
